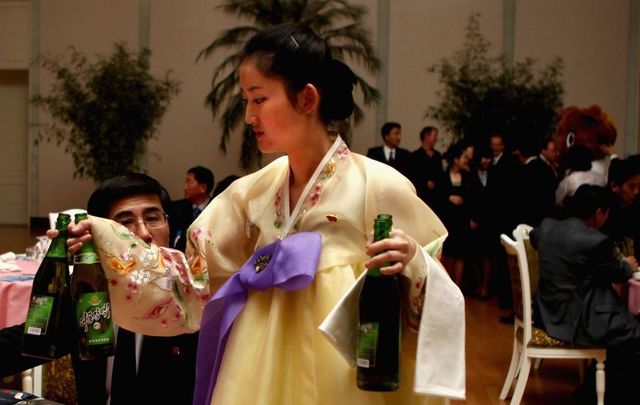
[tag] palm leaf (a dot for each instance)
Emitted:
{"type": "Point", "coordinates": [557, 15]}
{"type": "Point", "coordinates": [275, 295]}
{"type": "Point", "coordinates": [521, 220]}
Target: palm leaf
{"type": "Point", "coordinates": [339, 22]}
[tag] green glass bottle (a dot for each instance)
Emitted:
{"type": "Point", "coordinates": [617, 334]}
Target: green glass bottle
{"type": "Point", "coordinates": [90, 296]}
{"type": "Point", "coordinates": [50, 313]}
{"type": "Point", "coordinates": [378, 350]}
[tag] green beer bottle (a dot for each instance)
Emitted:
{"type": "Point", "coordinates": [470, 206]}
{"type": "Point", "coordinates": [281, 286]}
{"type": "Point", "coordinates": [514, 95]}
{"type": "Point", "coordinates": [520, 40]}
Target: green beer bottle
{"type": "Point", "coordinates": [378, 350]}
{"type": "Point", "coordinates": [50, 312]}
{"type": "Point", "coordinates": [90, 295]}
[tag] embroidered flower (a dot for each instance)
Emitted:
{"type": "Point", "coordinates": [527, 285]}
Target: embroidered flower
{"type": "Point", "coordinates": [315, 194]}
{"type": "Point", "coordinates": [158, 310]}
{"type": "Point", "coordinates": [342, 151]}
{"type": "Point", "coordinates": [149, 256]}
{"type": "Point", "coordinates": [121, 267]}
{"type": "Point", "coordinates": [140, 277]}
{"type": "Point", "coordinates": [278, 220]}
{"type": "Point", "coordinates": [200, 233]}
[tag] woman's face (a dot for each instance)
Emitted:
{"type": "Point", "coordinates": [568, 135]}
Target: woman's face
{"type": "Point", "coordinates": [277, 125]}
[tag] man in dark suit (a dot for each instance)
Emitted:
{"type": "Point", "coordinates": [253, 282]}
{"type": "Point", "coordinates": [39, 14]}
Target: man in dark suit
{"type": "Point", "coordinates": [503, 175]}
{"type": "Point", "coordinates": [576, 301]}
{"type": "Point", "coordinates": [426, 169]}
{"type": "Point", "coordinates": [141, 204]}
{"type": "Point", "coordinates": [390, 152]}
{"type": "Point", "coordinates": [198, 187]}
{"type": "Point", "coordinates": [537, 183]}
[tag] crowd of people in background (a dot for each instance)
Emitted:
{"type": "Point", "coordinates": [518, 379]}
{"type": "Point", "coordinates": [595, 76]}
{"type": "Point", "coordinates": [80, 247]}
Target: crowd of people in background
{"type": "Point", "coordinates": [483, 189]}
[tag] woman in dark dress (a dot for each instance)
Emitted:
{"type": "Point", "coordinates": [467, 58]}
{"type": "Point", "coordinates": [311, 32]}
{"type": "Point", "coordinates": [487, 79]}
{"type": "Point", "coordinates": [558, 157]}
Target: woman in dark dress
{"type": "Point", "coordinates": [457, 212]}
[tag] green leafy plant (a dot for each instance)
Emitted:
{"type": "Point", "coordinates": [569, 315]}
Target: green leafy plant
{"type": "Point", "coordinates": [482, 95]}
{"type": "Point", "coordinates": [104, 112]}
{"type": "Point", "coordinates": [337, 21]}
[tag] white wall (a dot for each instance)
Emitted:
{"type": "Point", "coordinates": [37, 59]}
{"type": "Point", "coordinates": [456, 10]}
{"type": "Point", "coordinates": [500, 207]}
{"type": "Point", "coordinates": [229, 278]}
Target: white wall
{"type": "Point", "coordinates": [591, 36]}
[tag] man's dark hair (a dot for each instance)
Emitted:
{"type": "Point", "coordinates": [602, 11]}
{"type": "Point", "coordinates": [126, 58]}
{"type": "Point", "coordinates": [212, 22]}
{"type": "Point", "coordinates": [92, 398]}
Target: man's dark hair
{"type": "Point", "coordinates": [427, 131]}
{"type": "Point", "coordinates": [224, 183]}
{"type": "Point", "coordinates": [587, 199]}
{"type": "Point", "coordinates": [125, 185]}
{"type": "Point", "coordinates": [387, 127]}
{"type": "Point", "coordinates": [621, 170]}
{"type": "Point", "coordinates": [129, 185]}
{"type": "Point", "coordinates": [203, 176]}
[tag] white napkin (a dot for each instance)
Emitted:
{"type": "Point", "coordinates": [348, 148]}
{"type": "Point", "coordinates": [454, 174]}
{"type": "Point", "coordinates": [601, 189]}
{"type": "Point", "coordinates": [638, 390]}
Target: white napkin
{"type": "Point", "coordinates": [440, 358]}
{"type": "Point", "coordinates": [7, 256]}
{"type": "Point", "coordinates": [9, 267]}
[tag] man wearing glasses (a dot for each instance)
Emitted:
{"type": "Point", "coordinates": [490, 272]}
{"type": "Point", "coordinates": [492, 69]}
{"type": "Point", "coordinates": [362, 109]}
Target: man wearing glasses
{"type": "Point", "coordinates": [138, 373]}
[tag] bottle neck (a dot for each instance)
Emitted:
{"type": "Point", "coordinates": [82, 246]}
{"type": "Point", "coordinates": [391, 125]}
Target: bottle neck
{"type": "Point", "coordinates": [374, 272]}
{"type": "Point", "coordinates": [58, 248]}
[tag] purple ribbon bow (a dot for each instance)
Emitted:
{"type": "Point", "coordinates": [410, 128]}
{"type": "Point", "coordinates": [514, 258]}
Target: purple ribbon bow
{"type": "Point", "coordinates": [289, 264]}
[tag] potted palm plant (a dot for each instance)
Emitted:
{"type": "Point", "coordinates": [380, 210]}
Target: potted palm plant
{"type": "Point", "coordinates": [481, 95]}
{"type": "Point", "coordinates": [105, 111]}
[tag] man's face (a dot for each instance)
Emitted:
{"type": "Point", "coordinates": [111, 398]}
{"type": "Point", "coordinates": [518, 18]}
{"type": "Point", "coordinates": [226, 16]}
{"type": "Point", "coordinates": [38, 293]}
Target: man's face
{"type": "Point", "coordinates": [144, 216]}
{"type": "Point", "coordinates": [431, 139]}
{"type": "Point", "coordinates": [550, 152]}
{"type": "Point", "coordinates": [629, 190]}
{"type": "Point", "coordinates": [497, 145]}
{"type": "Point", "coordinates": [393, 138]}
{"type": "Point", "coordinates": [193, 189]}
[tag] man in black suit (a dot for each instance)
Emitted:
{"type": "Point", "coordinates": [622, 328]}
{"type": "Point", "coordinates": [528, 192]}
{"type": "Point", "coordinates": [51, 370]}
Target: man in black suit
{"type": "Point", "coordinates": [141, 204]}
{"type": "Point", "coordinates": [198, 187]}
{"type": "Point", "coordinates": [537, 183]}
{"type": "Point", "coordinates": [426, 169]}
{"type": "Point", "coordinates": [503, 175]}
{"type": "Point", "coordinates": [390, 152]}
{"type": "Point", "coordinates": [576, 301]}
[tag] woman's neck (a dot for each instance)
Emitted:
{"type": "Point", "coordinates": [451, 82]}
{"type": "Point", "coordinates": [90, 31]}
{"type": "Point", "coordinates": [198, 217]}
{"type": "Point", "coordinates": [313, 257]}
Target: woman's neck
{"type": "Point", "coordinates": [303, 163]}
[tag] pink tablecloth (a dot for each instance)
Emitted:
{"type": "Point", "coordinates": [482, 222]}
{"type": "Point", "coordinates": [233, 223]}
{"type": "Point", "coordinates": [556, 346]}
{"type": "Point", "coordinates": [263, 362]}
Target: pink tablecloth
{"type": "Point", "coordinates": [634, 296]}
{"type": "Point", "coordinates": [15, 290]}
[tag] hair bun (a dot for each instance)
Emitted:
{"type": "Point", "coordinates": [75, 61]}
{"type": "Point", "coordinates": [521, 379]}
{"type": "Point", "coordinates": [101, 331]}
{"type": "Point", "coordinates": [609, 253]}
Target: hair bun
{"type": "Point", "coordinates": [337, 87]}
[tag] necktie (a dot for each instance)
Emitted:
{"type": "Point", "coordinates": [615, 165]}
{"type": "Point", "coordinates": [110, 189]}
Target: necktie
{"type": "Point", "coordinates": [392, 155]}
{"type": "Point", "coordinates": [196, 212]}
{"type": "Point", "coordinates": [124, 368]}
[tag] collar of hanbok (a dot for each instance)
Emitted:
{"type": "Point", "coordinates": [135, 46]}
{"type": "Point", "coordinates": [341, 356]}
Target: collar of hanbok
{"type": "Point", "coordinates": [288, 220]}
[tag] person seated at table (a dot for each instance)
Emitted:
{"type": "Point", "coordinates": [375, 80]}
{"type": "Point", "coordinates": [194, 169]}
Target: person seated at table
{"type": "Point", "coordinates": [141, 204]}
{"type": "Point", "coordinates": [622, 225]}
{"type": "Point", "coordinates": [576, 301]}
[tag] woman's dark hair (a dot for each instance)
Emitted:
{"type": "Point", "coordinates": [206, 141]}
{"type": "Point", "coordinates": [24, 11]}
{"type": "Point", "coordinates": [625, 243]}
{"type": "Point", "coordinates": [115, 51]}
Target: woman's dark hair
{"type": "Point", "coordinates": [298, 56]}
{"type": "Point", "coordinates": [455, 151]}
{"type": "Point", "coordinates": [579, 158]}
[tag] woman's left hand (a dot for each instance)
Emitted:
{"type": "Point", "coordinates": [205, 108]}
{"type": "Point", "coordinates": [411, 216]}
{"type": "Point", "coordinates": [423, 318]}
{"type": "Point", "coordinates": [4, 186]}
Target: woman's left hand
{"type": "Point", "coordinates": [397, 249]}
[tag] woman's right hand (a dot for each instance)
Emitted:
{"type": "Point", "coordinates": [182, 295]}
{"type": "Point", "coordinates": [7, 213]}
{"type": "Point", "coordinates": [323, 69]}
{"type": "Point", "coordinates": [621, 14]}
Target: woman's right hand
{"type": "Point", "coordinates": [79, 234]}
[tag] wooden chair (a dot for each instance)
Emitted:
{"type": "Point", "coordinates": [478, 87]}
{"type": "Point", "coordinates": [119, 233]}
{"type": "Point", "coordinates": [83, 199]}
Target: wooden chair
{"type": "Point", "coordinates": [530, 342]}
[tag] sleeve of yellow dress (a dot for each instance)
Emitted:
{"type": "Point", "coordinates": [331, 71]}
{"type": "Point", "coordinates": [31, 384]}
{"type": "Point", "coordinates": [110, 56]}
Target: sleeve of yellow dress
{"type": "Point", "coordinates": [153, 290]}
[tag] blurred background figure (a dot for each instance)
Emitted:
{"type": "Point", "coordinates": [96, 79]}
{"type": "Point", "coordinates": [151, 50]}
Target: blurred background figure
{"type": "Point", "coordinates": [390, 152]}
{"type": "Point", "coordinates": [426, 168]}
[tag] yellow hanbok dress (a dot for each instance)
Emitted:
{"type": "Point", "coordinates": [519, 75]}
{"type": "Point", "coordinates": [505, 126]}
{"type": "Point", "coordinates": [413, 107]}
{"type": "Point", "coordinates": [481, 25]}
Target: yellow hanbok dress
{"type": "Point", "coordinates": [276, 354]}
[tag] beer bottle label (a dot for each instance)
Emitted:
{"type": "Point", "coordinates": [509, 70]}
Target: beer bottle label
{"type": "Point", "coordinates": [86, 258]}
{"type": "Point", "coordinates": [367, 344]}
{"type": "Point", "coordinates": [94, 318]}
{"type": "Point", "coordinates": [38, 315]}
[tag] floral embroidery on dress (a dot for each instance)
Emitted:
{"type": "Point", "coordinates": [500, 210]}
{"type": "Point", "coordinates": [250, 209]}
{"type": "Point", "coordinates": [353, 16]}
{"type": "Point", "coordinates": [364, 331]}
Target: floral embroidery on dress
{"type": "Point", "coordinates": [140, 277]}
{"type": "Point", "coordinates": [342, 151]}
{"type": "Point", "coordinates": [278, 213]}
{"type": "Point", "coordinates": [314, 195]}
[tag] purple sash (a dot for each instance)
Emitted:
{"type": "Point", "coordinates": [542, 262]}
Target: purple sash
{"type": "Point", "coordinates": [289, 264]}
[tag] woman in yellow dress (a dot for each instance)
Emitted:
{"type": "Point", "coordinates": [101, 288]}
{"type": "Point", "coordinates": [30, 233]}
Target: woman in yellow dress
{"type": "Point", "coordinates": [275, 353]}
